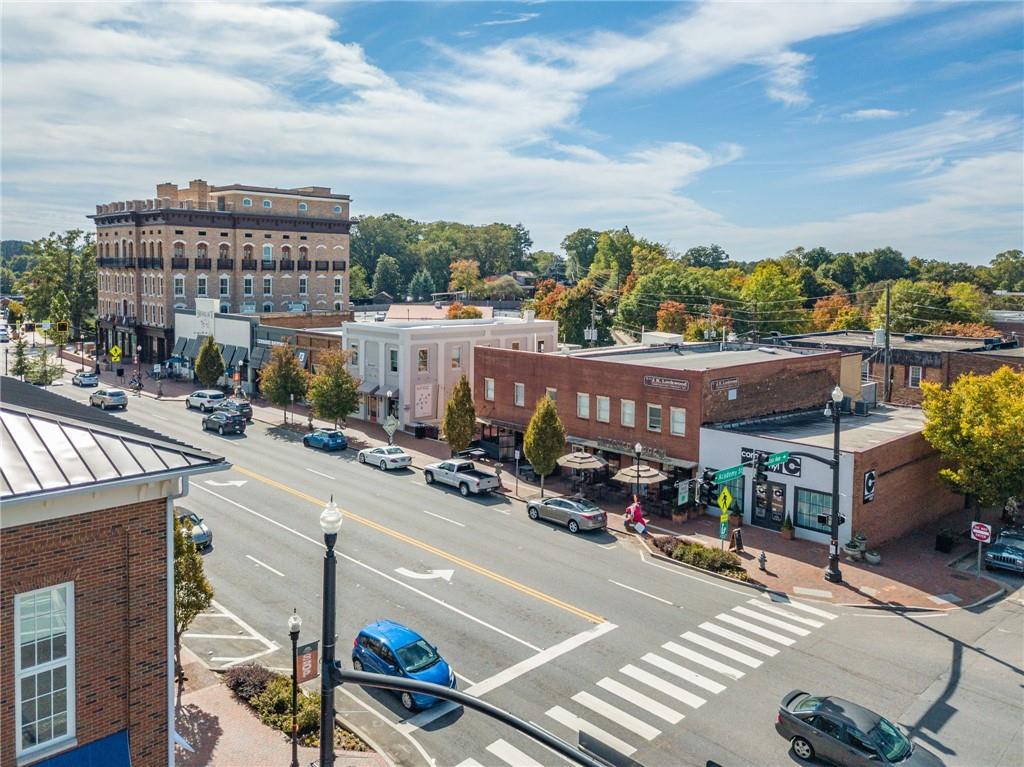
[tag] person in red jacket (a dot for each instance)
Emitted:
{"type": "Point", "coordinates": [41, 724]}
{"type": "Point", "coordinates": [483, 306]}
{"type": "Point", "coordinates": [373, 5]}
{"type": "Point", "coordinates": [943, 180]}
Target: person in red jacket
{"type": "Point", "coordinates": [635, 517]}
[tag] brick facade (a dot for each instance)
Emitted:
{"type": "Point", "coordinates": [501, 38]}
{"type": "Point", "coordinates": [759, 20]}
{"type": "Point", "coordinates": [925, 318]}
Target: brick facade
{"type": "Point", "coordinates": [117, 559]}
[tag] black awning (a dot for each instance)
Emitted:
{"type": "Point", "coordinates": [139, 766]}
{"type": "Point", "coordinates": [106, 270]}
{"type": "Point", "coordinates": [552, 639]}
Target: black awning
{"type": "Point", "coordinates": [258, 358]}
{"type": "Point", "coordinates": [191, 349]}
{"type": "Point", "coordinates": [179, 346]}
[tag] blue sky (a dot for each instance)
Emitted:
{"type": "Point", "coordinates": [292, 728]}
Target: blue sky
{"type": "Point", "coordinates": [759, 126]}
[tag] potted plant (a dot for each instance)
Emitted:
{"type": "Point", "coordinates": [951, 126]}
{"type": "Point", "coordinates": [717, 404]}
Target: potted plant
{"type": "Point", "coordinates": [788, 531]}
{"type": "Point", "coordinates": [862, 540]}
{"type": "Point", "coordinates": [873, 557]}
{"type": "Point", "coordinates": [852, 550]}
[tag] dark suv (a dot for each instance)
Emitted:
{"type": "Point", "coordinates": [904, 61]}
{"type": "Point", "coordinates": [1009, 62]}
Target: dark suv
{"type": "Point", "coordinates": [238, 407]}
{"type": "Point", "coordinates": [224, 423]}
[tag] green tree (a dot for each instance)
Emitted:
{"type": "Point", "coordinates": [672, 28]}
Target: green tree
{"type": "Point", "coordinates": [15, 313]}
{"type": "Point", "coordinates": [465, 275]}
{"type": "Point", "coordinates": [357, 285]}
{"type": "Point", "coordinates": [387, 278]}
{"type": "Point", "coordinates": [460, 417]}
{"type": "Point", "coordinates": [6, 279]}
{"type": "Point", "coordinates": [503, 288]}
{"type": "Point", "coordinates": [391, 235]}
{"type": "Point", "coordinates": [283, 380]}
{"type": "Point", "coordinates": [614, 255]}
{"type": "Point", "coordinates": [192, 591]}
{"type": "Point", "coordinates": [544, 262]}
{"type": "Point", "coordinates": [544, 440]}
{"type": "Point", "coordinates": [712, 256]}
{"type": "Point", "coordinates": [60, 317]}
{"type": "Point", "coordinates": [20, 366]}
{"type": "Point", "coordinates": [61, 262]}
{"type": "Point", "coordinates": [976, 425]}
{"type": "Point", "coordinates": [697, 287]}
{"type": "Point", "coordinates": [521, 244]}
{"type": "Point", "coordinates": [914, 304]}
{"type": "Point", "coordinates": [209, 362]}
{"type": "Point", "coordinates": [333, 392]}
{"type": "Point", "coordinates": [967, 303]}
{"type": "Point", "coordinates": [42, 371]}
{"type": "Point", "coordinates": [773, 300]}
{"type": "Point", "coordinates": [421, 287]}
{"type": "Point", "coordinates": [841, 270]}
{"type": "Point", "coordinates": [879, 265]}
{"type": "Point", "coordinates": [1006, 271]}
{"type": "Point", "coordinates": [580, 248]}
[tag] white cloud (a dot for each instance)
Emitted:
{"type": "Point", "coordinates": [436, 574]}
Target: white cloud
{"type": "Point", "coordinates": [873, 114]}
{"type": "Point", "coordinates": [518, 18]}
{"type": "Point", "coordinates": [787, 72]}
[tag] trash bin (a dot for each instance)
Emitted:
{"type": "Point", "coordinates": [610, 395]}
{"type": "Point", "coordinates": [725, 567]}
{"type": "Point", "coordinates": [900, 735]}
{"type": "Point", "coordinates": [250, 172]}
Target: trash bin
{"type": "Point", "coordinates": [944, 541]}
{"type": "Point", "coordinates": [420, 431]}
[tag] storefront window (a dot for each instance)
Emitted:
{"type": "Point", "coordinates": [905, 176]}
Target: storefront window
{"type": "Point", "coordinates": [809, 504]}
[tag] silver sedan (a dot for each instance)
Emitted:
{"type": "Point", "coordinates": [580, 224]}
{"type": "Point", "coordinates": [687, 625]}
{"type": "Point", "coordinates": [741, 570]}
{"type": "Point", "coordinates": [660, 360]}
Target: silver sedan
{"type": "Point", "coordinates": [575, 513]}
{"type": "Point", "coordinates": [386, 457]}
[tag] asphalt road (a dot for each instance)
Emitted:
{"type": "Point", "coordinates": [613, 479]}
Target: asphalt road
{"type": "Point", "coordinates": [569, 632]}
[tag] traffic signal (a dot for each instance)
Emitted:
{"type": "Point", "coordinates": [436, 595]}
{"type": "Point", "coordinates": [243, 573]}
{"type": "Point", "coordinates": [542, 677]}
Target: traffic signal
{"type": "Point", "coordinates": [713, 491]}
{"type": "Point", "coordinates": [62, 326]}
{"type": "Point", "coordinates": [761, 468]}
{"type": "Point", "coordinates": [704, 489]}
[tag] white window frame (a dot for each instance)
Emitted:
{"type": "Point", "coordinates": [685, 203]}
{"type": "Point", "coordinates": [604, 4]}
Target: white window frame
{"type": "Point", "coordinates": [392, 360]}
{"type": "Point", "coordinates": [679, 412]}
{"type": "Point", "coordinates": [179, 281]}
{"type": "Point", "coordinates": [248, 285]}
{"type": "Point", "coordinates": [583, 405]}
{"type": "Point", "coordinates": [303, 285]}
{"type": "Point", "coordinates": [457, 358]}
{"type": "Point", "coordinates": [268, 281]}
{"type": "Point", "coordinates": [303, 206]}
{"type": "Point", "coordinates": [338, 286]}
{"type": "Point", "coordinates": [910, 376]}
{"type": "Point", "coordinates": [353, 348]}
{"type": "Point", "coordinates": [202, 289]}
{"type": "Point", "coordinates": [267, 205]}
{"type": "Point", "coordinates": [607, 409]}
{"type": "Point", "coordinates": [422, 360]}
{"type": "Point", "coordinates": [552, 393]}
{"type": "Point", "coordinates": [268, 306]}
{"type": "Point", "coordinates": [68, 662]}
{"type": "Point", "coordinates": [246, 202]}
{"type": "Point", "coordinates": [337, 209]}
{"type": "Point", "coordinates": [652, 408]}
{"type": "Point", "coordinates": [489, 389]}
{"type": "Point", "coordinates": [224, 285]}
{"type": "Point", "coordinates": [519, 394]}
{"type": "Point", "coordinates": [268, 252]}
{"type": "Point", "coordinates": [629, 422]}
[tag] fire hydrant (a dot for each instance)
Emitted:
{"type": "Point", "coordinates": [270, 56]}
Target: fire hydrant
{"type": "Point", "coordinates": [762, 561]}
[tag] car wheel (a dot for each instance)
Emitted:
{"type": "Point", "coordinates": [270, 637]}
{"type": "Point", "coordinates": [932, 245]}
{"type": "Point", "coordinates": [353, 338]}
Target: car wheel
{"type": "Point", "coordinates": [574, 526]}
{"type": "Point", "coordinates": [188, 405]}
{"type": "Point", "coordinates": [534, 512]}
{"type": "Point", "coordinates": [988, 566]}
{"type": "Point", "coordinates": [103, 406]}
{"type": "Point", "coordinates": [464, 488]}
{"type": "Point", "coordinates": [362, 458]}
{"type": "Point", "coordinates": [428, 477]}
{"type": "Point", "coordinates": [220, 430]}
{"type": "Point", "coordinates": [407, 702]}
{"type": "Point", "coordinates": [383, 465]}
{"type": "Point", "coordinates": [802, 748]}
{"type": "Point", "coordinates": [305, 442]}
{"type": "Point", "coordinates": [357, 664]}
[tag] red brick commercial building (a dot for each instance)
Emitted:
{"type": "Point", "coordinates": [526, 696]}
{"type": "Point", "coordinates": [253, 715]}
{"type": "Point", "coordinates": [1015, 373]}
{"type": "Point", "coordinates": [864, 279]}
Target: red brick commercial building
{"type": "Point", "coordinates": [86, 605]}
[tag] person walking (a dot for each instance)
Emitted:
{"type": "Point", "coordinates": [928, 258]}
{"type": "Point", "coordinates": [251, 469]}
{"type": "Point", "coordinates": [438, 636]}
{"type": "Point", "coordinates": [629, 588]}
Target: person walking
{"type": "Point", "coordinates": [635, 517]}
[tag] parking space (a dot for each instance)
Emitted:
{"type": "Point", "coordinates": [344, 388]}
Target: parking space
{"type": "Point", "coordinates": [222, 639]}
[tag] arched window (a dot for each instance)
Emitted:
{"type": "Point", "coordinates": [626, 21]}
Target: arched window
{"type": "Point", "coordinates": [117, 250]}
{"type": "Point", "coordinates": [286, 252]}
{"type": "Point", "coordinates": [303, 253]}
{"type": "Point", "coordinates": [337, 306]}
{"type": "Point", "coordinates": [267, 204]}
{"type": "Point", "coordinates": [159, 250]}
{"type": "Point", "coordinates": [268, 252]}
{"type": "Point", "coordinates": [303, 207]}
{"type": "Point", "coordinates": [246, 202]}
{"type": "Point", "coordinates": [224, 250]}
{"type": "Point", "coordinates": [201, 250]}
{"type": "Point", "coordinates": [247, 252]}
{"type": "Point", "coordinates": [337, 209]}
{"type": "Point", "coordinates": [268, 307]}
{"type": "Point", "coordinates": [179, 250]}
{"type": "Point", "coordinates": [131, 250]}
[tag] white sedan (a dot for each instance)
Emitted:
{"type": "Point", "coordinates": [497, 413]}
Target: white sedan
{"type": "Point", "coordinates": [387, 457]}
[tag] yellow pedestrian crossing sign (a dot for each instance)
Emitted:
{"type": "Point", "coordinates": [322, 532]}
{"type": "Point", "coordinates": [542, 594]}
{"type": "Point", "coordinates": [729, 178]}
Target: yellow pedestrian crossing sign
{"type": "Point", "coordinates": [115, 353]}
{"type": "Point", "coordinates": [724, 500]}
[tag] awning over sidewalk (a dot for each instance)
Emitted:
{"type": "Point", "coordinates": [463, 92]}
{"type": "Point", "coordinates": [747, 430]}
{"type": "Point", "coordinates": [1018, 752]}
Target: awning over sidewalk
{"type": "Point", "coordinates": [192, 347]}
{"type": "Point", "coordinates": [628, 450]}
{"type": "Point", "coordinates": [111, 751]}
{"type": "Point", "coordinates": [259, 357]}
{"type": "Point", "coordinates": [394, 393]}
{"type": "Point", "coordinates": [501, 424]}
{"type": "Point", "coordinates": [179, 346]}
{"type": "Point", "coordinates": [368, 388]}
{"type": "Point", "coordinates": [241, 354]}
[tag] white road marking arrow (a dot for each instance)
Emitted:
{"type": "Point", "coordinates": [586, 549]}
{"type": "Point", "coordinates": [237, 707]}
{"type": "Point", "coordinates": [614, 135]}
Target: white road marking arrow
{"type": "Point", "coordinates": [229, 483]}
{"type": "Point", "coordinates": [429, 575]}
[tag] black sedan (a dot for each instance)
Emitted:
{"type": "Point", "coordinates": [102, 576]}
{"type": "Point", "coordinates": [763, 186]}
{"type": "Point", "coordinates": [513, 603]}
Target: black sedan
{"type": "Point", "coordinates": [238, 406]}
{"type": "Point", "coordinates": [843, 733]}
{"type": "Point", "coordinates": [224, 423]}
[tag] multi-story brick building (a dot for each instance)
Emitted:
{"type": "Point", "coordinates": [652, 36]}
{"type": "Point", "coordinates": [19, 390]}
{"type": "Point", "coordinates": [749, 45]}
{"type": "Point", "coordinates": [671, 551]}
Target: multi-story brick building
{"type": "Point", "coordinates": [254, 249]}
{"type": "Point", "coordinates": [86, 607]}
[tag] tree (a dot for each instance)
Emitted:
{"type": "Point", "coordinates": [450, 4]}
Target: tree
{"type": "Point", "coordinates": [192, 591]}
{"type": "Point", "coordinates": [387, 278]}
{"type": "Point", "coordinates": [282, 380]}
{"type": "Point", "coordinates": [465, 275]}
{"type": "Point", "coordinates": [962, 329]}
{"type": "Point", "coordinates": [913, 305]}
{"type": "Point", "coordinates": [15, 313]}
{"type": "Point", "coordinates": [544, 440]}
{"type": "Point", "coordinates": [391, 235]}
{"type": "Point", "coordinates": [836, 313]}
{"type": "Point", "coordinates": [333, 392]}
{"type": "Point", "coordinates": [357, 285]}
{"type": "Point", "coordinates": [460, 417]}
{"type": "Point", "coordinates": [716, 324]}
{"type": "Point", "coordinates": [580, 248]}
{"type": "Point", "coordinates": [546, 263]}
{"type": "Point", "coordinates": [879, 265]}
{"type": "Point", "coordinates": [459, 311]}
{"type": "Point", "coordinates": [421, 287]}
{"type": "Point", "coordinates": [672, 317]}
{"type": "Point", "coordinates": [521, 244]}
{"type": "Point", "coordinates": [976, 425]}
{"type": "Point", "coordinates": [647, 256]}
{"type": "Point", "coordinates": [614, 254]}
{"type": "Point", "coordinates": [773, 300]}
{"type": "Point", "coordinates": [20, 366]}
{"type": "Point", "coordinates": [504, 287]}
{"type": "Point", "coordinates": [706, 255]}
{"type": "Point", "coordinates": [209, 362]}
{"type": "Point", "coordinates": [1006, 271]}
{"type": "Point", "coordinates": [60, 319]}
{"type": "Point", "coordinates": [698, 287]}
{"type": "Point", "coordinates": [967, 303]}
{"type": "Point", "coordinates": [41, 371]}
{"type": "Point", "coordinates": [841, 270]}
{"type": "Point", "coordinates": [61, 262]}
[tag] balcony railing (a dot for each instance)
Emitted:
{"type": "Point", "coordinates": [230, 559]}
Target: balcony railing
{"type": "Point", "coordinates": [121, 262]}
{"type": "Point", "coordinates": [304, 266]}
{"type": "Point", "coordinates": [179, 263]}
{"type": "Point", "coordinates": [338, 266]}
{"type": "Point", "coordinates": [268, 266]}
{"type": "Point", "coordinates": [202, 263]}
{"type": "Point", "coordinates": [155, 262]}
{"type": "Point", "coordinates": [225, 263]}
{"type": "Point", "coordinates": [322, 266]}
{"type": "Point", "coordinates": [249, 263]}
{"type": "Point", "coordinates": [287, 266]}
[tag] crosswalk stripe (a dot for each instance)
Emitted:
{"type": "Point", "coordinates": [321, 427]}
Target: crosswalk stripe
{"type": "Point", "coordinates": [650, 705]}
{"type": "Point", "coordinates": [576, 724]}
{"type": "Point", "coordinates": [753, 628]}
{"type": "Point", "coordinates": [722, 649]}
{"type": "Point", "coordinates": [809, 609]}
{"type": "Point", "coordinates": [659, 684]}
{"type": "Point", "coordinates": [617, 715]}
{"type": "Point", "coordinates": [511, 755]}
{"type": "Point", "coordinates": [770, 607]}
{"type": "Point", "coordinates": [684, 673]}
{"type": "Point", "coordinates": [738, 639]}
{"type": "Point", "coordinates": [471, 762]}
{"type": "Point", "coordinates": [703, 660]}
{"type": "Point", "coordinates": [800, 632]}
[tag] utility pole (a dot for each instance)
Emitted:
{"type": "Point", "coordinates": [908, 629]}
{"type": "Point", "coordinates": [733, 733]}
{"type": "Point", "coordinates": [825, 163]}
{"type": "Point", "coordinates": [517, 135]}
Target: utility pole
{"type": "Point", "coordinates": [592, 331]}
{"type": "Point", "coordinates": [757, 327]}
{"type": "Point", "coordinates": [887, 383]}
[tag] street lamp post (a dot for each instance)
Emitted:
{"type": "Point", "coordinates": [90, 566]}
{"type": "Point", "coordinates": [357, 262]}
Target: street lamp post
{"type": "Point", "coordinates": [293, 408]}
{"type": "Point", "coordinates": [638, 450]}
{"type": "Point", "coordinates": [330, 523]}
{"type": "Point", "coordinates": [832, 409]}
{"type": "Point", "coordinates": [294, 625]}
{"type": "Point", "coordinates": [388, 415]}
{"type": "Point", "coordinates": [138, 366]}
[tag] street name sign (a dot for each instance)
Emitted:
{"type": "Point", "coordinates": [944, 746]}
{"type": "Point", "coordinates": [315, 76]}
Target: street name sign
{"type": "Point", "coordinates": [981, 532]}
{"type": "Point", "coordinates": [776, 458]}
{"type": "Point", "coordinates": [723, 528]}
{"type": "Point", "coordinates": [724, 501]}
{"type": "Point", "coordinates": [731, 473]}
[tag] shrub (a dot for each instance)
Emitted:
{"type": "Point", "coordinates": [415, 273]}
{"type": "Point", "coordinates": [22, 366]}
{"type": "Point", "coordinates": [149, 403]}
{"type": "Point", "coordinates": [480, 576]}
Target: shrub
{"type": "Point", "coordinates": [704, 557]}
{"type": "Point", "coordinates": [248, 680]}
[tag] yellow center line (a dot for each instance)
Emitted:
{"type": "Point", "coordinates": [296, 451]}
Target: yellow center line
{"type": "Point", "coordinates": [432, 549]}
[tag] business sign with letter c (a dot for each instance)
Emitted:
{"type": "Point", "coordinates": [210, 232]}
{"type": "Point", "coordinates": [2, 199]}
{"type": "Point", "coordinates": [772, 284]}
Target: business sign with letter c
{"type": "Point", "coordinates": [870, 477]}
{"type": "Point", "coordinates": [981, 532]}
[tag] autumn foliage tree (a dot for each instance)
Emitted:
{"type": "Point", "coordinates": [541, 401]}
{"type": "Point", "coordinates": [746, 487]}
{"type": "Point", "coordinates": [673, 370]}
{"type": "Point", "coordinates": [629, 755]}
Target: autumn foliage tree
{"type": "Point", "coordinates": [835, 313]}
{"type": "Point", "coordinates": [192, 591]}
{"type": "Point", "coordinates": [964, 329]}
{"type": "Point", "coordinates": [460, 417]}
{"type": "Point", "coordinates": [283, 380]}
{"type": "Point", "coordinates": [544, 440]}
{"type": "Point", "coordinates": [715, 324]}
{"type": "Point", "coordinates": [460, 311]}
{"type": "Point", "coordinates": [672, 317]}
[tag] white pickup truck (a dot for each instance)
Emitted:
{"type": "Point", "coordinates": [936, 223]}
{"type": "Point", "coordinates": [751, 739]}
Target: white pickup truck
{"type": "Point", "coordinates": [461, 474]}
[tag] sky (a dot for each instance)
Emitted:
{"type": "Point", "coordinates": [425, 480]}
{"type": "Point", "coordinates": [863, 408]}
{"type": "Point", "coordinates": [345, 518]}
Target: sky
{"type": "Point", "coordinates": [758, 126]}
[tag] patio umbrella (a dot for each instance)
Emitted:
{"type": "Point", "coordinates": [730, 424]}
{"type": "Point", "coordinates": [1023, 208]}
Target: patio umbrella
{"type": "Point", "coordinates": [582, 461]}
{"type": "Point", "coordinates": [647, 475]}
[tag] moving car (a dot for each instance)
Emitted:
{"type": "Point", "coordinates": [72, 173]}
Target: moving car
{"type": "Point", "coordinates": [224, 423]}
{"type": "Point", "coordinates": [386, 457]}
{"type": "Point", "coordinates": [1006, 552]}
{"type": "Point", "coordinates": [575, 513]}
{"type": "Point", "coordinates": [108, 398]}
{"type": "Point", "coordinates": [204, 399]}
{"type": "Point", "coordinates": [198, 530]}
{"type": "Point", "coordinates": [386, 647]}
{"type": "Point", "coordinates": [326, 439]}
{"type": "Point", "coordinates": [461, 474]}
{"type": "Point", "coordinates": [845, 734]}
{"type": "Point", "coordinates": [237, 406]}
{"type": "Point", "coordinates": [85, 379]}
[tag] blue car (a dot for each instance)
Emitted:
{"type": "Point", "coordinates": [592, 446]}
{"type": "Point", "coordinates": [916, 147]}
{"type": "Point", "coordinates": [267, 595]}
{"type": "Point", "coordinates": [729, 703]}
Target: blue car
{"type": "Point", "coordinates": [386, 647]}
{"type": "Point", "coordinates": [326, 439]}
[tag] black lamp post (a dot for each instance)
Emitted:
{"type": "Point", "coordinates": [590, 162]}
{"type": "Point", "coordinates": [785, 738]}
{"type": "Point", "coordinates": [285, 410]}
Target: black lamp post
{"type": "Point", "coordinates": [138, 365]}
{"type": "Point", "coordinates": [832, 409]}
{"type": "Point", "coordinates": [330, 523]}
{"type": "Point", "coordinates": [391, 437]}
{"type": "Point", "coordinates": [294, 625]}
{"type": "Point", "coordinates": [637, 450]}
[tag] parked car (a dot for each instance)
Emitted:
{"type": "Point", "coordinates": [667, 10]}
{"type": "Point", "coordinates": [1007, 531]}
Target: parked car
{"type": "Point", "coordinates": [204, 399]}
{"type": "Point", "coordinates": [237, 406]}
{"type": "Point", "coordinates": [108, 398]}
{"type": "Point", "coordinates": [198, 530]}
{"type": "Point", "coordinates": [461, 474]}
{"type": "Point", "coordinates": [326, 439]}
{"type": "Point", "coordinates": [1006, 552]}
{"type": "Point", "coordinates": [575, 513]}
{"type": "Point", "coordinates": [85, 379]}
{"type": "Point", "coordinates": [223, 422]}
{"type": "Point", "coordinates": [845, 734]}
{"type": "Point", "coordinates": [386, 647]}
{"type": "Point", "coordinates": [5, 336]}
{"type": "Point", "coordinates": [386, 457]}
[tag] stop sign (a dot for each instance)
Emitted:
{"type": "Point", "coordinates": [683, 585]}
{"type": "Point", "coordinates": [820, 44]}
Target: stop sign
{"type": "Point", "coordinates": [981, 532]}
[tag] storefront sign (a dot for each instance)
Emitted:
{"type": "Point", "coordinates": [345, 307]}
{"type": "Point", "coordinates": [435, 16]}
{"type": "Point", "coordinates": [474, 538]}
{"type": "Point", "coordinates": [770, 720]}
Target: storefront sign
{"type": "Point", "coordinates": [869, 485]}
{"type": "Point", "coordinates": [682, 494]}
{"type": "Point", "coordinates": [659, 382]}
{"type": "Point", "coordinates": [620, 446]}
{"type": "Point", "coordinates": [268, 342]}
{"type": "Point", "coordinates": [791, 467]}
{"type": "Point", "coordinates": [308, 666]}
{"type": "Point", "coordinates": [721, 384]}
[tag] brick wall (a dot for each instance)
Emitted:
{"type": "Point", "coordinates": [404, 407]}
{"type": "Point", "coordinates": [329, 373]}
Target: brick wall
{"type": "Point", "coordinates": [117, 560]}
{"type": "Point", "coordinates": [983, 364]}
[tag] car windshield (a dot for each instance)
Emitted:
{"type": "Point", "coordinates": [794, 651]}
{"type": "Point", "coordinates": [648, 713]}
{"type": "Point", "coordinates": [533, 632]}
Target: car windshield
{"type": "Point", "coordinates": [417, 656]}
{"type": "Point", "coordinates": [192, 518]}
{"type": "Point", "coordinates": [394, 451]}
{"type": "Point", "coordinates": [892, 743]}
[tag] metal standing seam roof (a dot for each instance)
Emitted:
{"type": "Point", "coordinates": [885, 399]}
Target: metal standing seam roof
{"type": "Point", "coordinates": [179, 346]}
{"type": "Point", "coordinates": [258, 358]}
{"type": "Point", "coordinates": [41, 453]}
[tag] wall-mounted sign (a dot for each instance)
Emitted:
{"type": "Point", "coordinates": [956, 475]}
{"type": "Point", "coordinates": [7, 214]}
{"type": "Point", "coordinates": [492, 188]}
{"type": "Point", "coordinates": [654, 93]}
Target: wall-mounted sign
{"type": "Point", "coordinates": [721, 384]}
{"type": "Point", "coordinates": [308, 663]}
{"type": "Point", "coordinates": [621, 446]}
{"type": "Point", "coordinates": [660, 382]}
{"type": "Point", "coordinates": [791, 467]}
{"type": "Point", "coordinates": [870, 477]}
